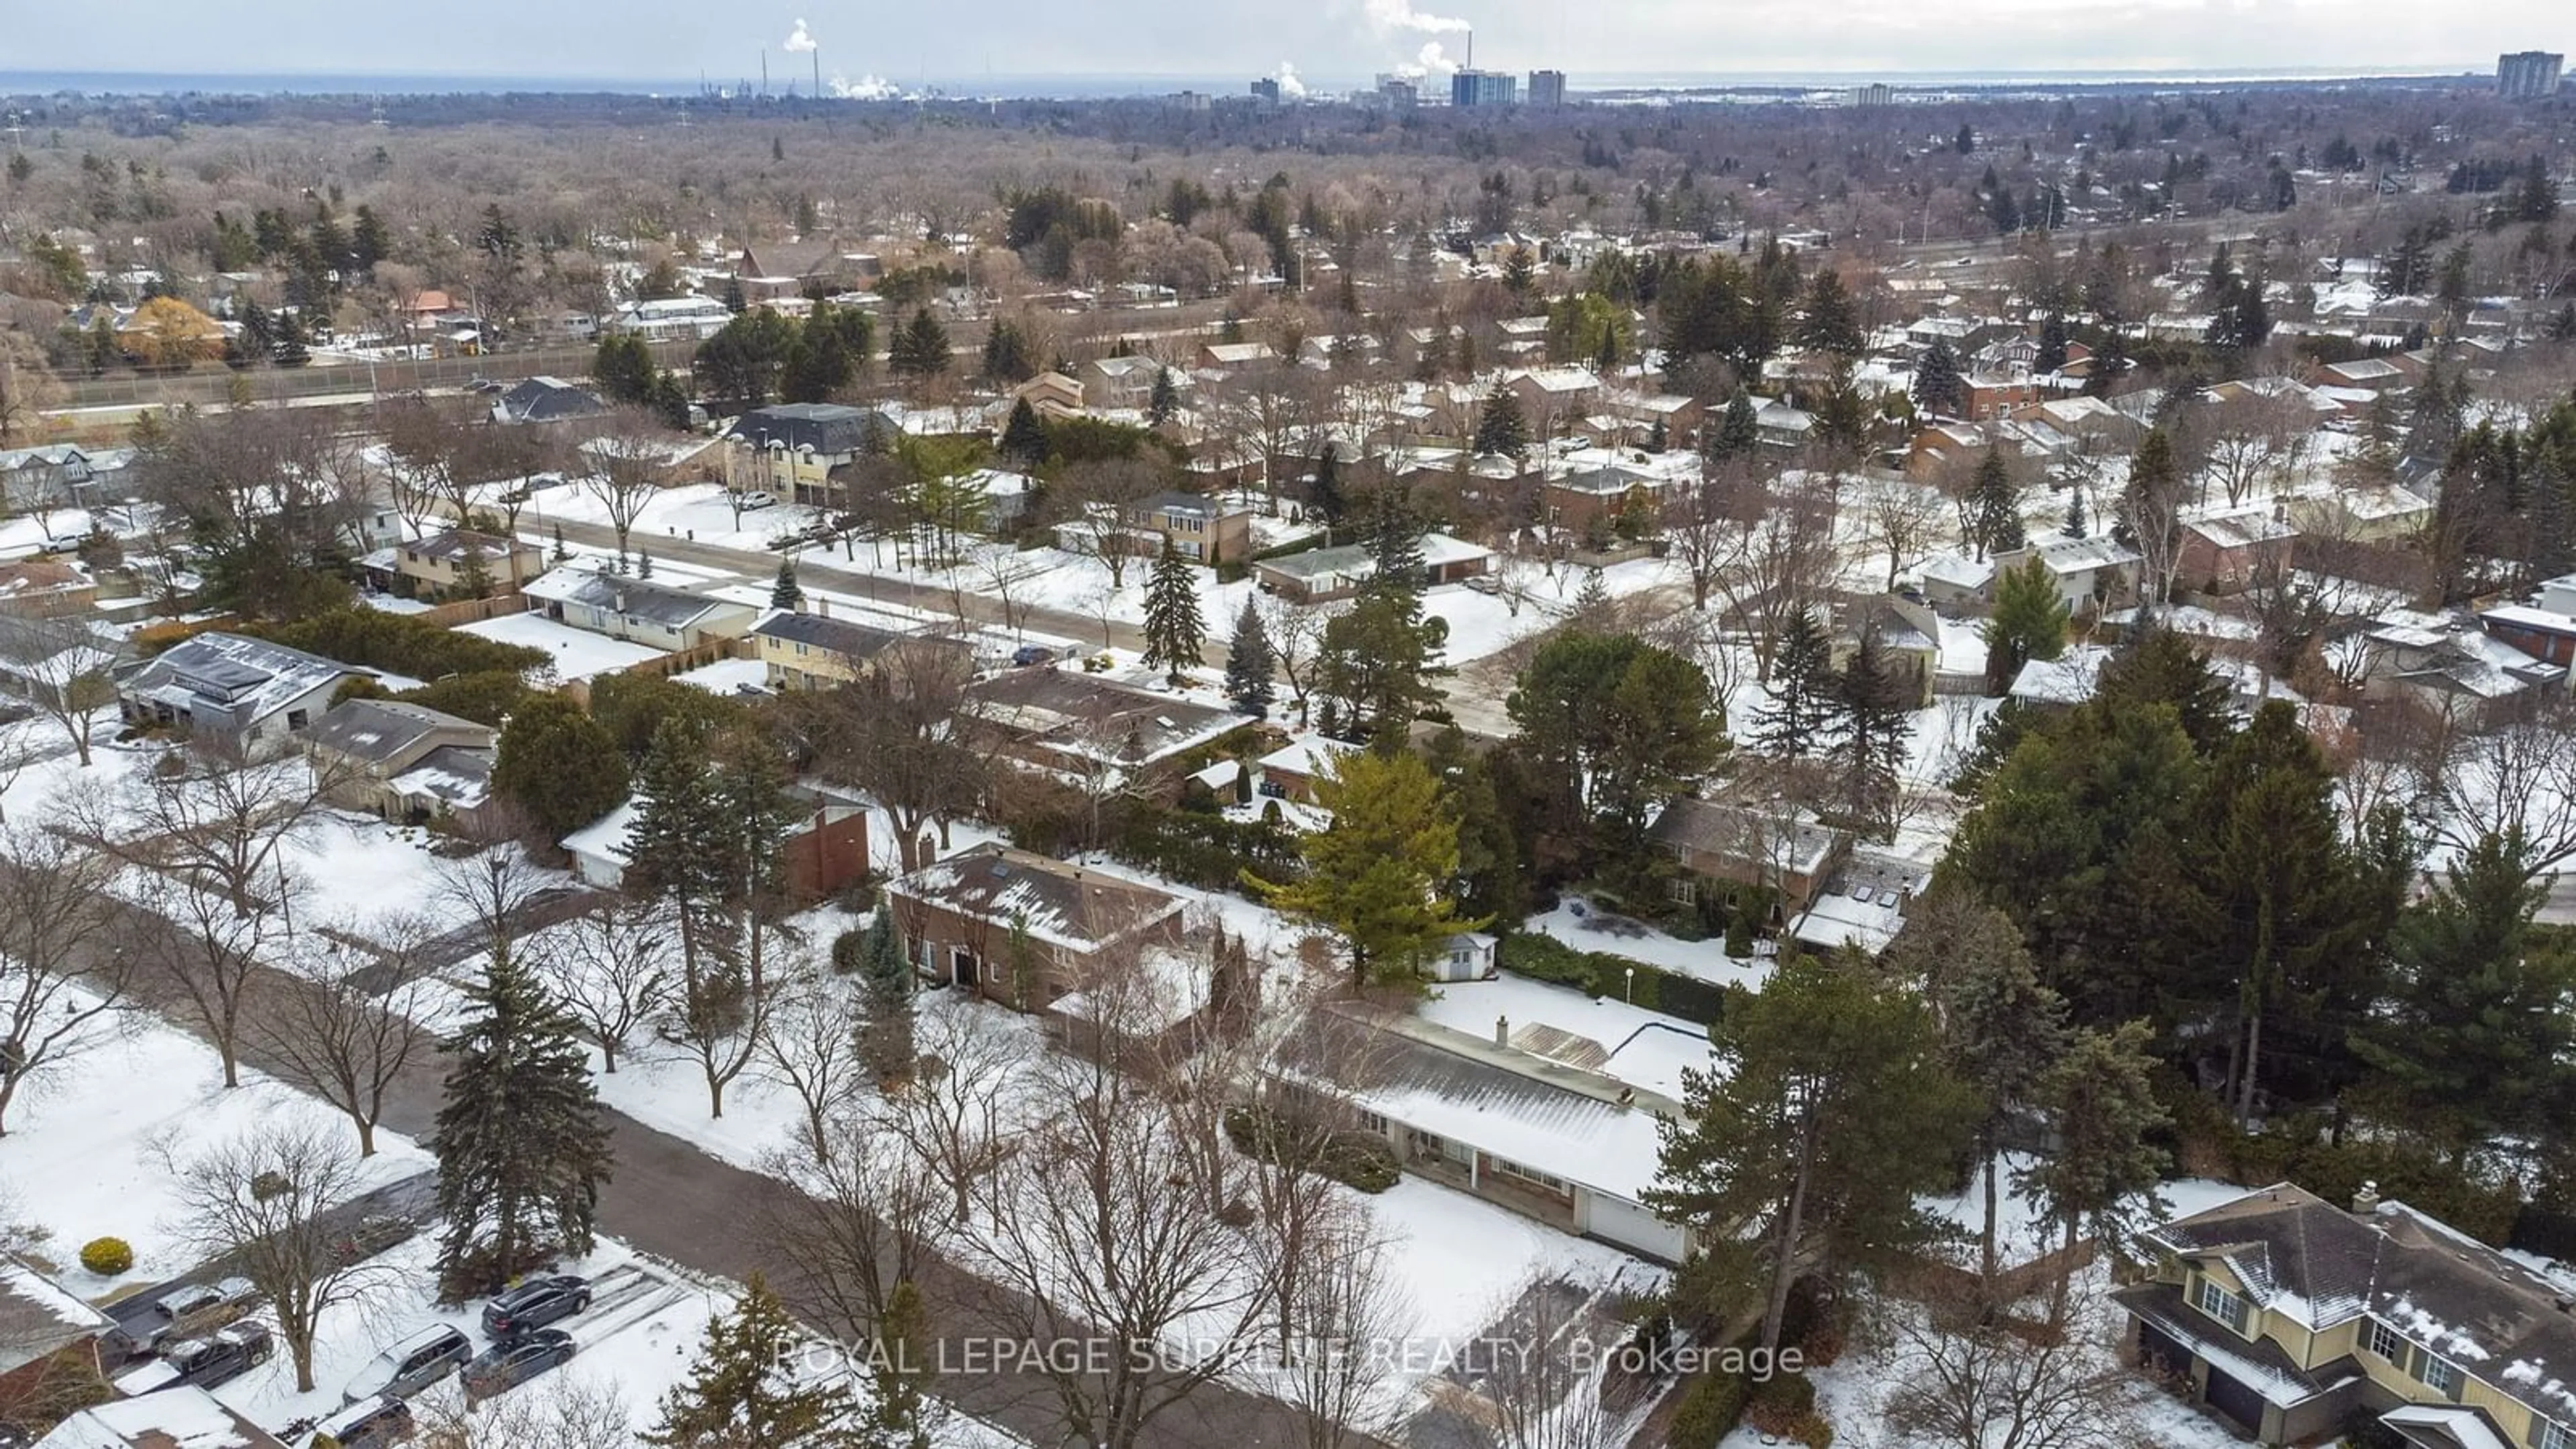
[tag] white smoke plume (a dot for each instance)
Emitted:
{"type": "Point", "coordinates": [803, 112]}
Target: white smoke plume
{"type": "Point", "coordinates": [865, 88]}
{"type": "Point", "coordinates": [1430, 61]}
{"type": "Point", "coordinates": [801, 40]}
{"type": "Point", "coordinates": [1389, 16]}
{"type": "Point", "coordinates": [1290, 87]}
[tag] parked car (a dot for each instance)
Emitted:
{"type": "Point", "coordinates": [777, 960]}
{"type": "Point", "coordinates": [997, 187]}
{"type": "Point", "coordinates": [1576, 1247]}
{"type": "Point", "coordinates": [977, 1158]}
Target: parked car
{"type": "Point", "coordinates": [534, 1303]}
{"type": "Point", "coordinates": [1028, 654]}
{"type": "Point", "coordinates": [377, 1422]}
{"type": "Point", "coordinates": [759, 500]}
{"type": "Point", "coordinates": [508, 1365]}
{"type": "Point", "coordinates": [411, 1365]}
{"type": "Point", "coordinates": [218, 1357]}
{"type": "Point", "coordinates": [189, 1310]}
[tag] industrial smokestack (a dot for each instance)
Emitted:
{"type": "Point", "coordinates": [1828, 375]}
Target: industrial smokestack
{"type": "Point", "coordinates": [1471, 51]}
{"type": "Point", "coordinates": [764, 72]}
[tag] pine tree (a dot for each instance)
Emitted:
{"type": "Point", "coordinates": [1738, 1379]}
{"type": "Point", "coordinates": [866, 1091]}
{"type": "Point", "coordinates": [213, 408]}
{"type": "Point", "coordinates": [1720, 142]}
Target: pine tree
{"type": "Point", "coordinates": [1379, 874]}
{"type": "Point", "coordinates": [1500, 428]}
{"type": "Point", "coordinates": [1737, 430]}
{"type": "Point", "coordinates": [1592, 599]}
{"type": "Point", "coordinates": [1024, 438]}
{"type": "Point", "coordinates": [898, 1414]}
{"type": "Point", "coordinates": [733, 298]}
{"type": "Point", "coordinates": [1994, 504]}
{"type": "Point", "coordinates": [2100, 1098]}
{"type": "Point", "coordinates": [1395, 543]}
{"type": "Point", "coordinates": [784, 591]}
{"type": "Point", "coordinates": [744, 1388]}
{"type": "Point", "coordinates": [1658, 438]}
{"type": "Point", "coordinates": [886, 988]}
{"type": "Point", "coordinates": [1166, 398]}
{"type": "Point", "coordinates": [1006, 353]}
{"type": "Point", "coordinates": [1872, 727]}
{"type": "Point", "coordinates": [2052, 345]}
{"type": "Point", "coordinates": [2029, 622]}
{"type": "Point", "coordinates": [920, 349]}
{"type": "Point", "coordinates": [1250, 664]}
{"type": "Point", "coordinates": [1175, 631]}
{"type": "Point", "coordinates": [291, 349]}
{"type": "Point", "coordinates": [2078, 522]}
{"type": "Point", "coordinates": [1827, 323]}
{"type": "Point", "coordinates": [1324, 492]}
{"type": "Point", "coordinates": [563, 550]}
{"type": "Point", "coordinates": [643, 563]}
{"type": "Point", "coordinates": [1800, 687]}
{"type": "Point", "coordinates": [521, 1148]}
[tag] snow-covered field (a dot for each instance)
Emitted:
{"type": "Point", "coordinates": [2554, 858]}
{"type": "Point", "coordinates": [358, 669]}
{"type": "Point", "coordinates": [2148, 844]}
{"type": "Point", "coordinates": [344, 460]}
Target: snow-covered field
{"type": "Point", "coordinates": [576, 653]}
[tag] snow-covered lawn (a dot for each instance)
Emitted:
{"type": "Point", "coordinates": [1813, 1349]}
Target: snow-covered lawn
{"type": "Point", "coordinates": [1647, 1048]}
{"type": "Point", "coordinates": [727, 676]}
{"type": "Point", "coordinates": [577, 653]}
{"type": "Point", "coordinates": [53, 778]}
{"type": "Point", "coordinates": [1460, 1259]}
{"type": "Point", "coordinates": [361, 869]}
{"type": "Point", "coordinates": [1578, 925]}
{"type": "Point", "coordinates": [84, 1155]}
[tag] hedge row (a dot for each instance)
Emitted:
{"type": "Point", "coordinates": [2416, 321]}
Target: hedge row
{"type": "Point", "coordinates": [1353, 1158]}
{"type": "Point", "coordinates": [1208, 851]}
{"type": "Point", "coordinates": [397, 643]}
{"type": "Point", "coordinates": [1601, 974]}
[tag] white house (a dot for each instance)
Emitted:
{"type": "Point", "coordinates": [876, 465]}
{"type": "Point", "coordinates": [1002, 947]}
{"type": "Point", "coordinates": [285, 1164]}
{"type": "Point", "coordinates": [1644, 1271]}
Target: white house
{"type": "Point", "coordinates": [248, 692]}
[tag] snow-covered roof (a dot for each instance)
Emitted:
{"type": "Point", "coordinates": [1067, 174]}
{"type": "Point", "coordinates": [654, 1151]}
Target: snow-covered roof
{"type": "Point", "coordinates": [181, 1417]}
{"type": "Point", "coordinates": [1060, 904]}
{"type": "Point", "coordinates": [39, 1317]}
{"type": "Point", "coordinates": [2067, 679]}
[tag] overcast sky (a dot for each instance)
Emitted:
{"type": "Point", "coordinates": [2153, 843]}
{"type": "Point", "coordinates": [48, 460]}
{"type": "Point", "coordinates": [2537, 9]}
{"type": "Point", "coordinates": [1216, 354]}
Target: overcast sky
{"type": "Point", "coordinates": [635, 39]}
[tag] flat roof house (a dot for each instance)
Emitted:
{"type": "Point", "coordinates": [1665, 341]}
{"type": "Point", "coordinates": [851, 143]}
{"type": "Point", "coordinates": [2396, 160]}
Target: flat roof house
{"type": "Point", "coordinates": [247, 692]}
{"type": "Point", "coordinates": [2290, 1316]}
{"type": "Point", "coordinates": [965, 918]}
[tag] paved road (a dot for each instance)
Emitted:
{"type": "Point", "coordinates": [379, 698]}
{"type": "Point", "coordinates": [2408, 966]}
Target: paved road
{"type": "Point", "coordinates": [671, 1200]}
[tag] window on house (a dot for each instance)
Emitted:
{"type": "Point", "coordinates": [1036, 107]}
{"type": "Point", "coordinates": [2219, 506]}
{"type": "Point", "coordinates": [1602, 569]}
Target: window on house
{"type": "Point", "coordinates": [2552, 1436]}
{"type": "Point", "coordinates": [1684, 890]}
{"type": "Point", "coordinates": [2439, 1374]}
{"type": "Point", "coordinates": [1372, 1122]}
{"type": "Point", "coordinates": [2383, 1341]}
{"type": "Point", "coordinates": [2220, 1304]}
{"type": "Point", "coordinates": [296, 719]}
{"type": "Point", "coordinates": [1529, 1174]}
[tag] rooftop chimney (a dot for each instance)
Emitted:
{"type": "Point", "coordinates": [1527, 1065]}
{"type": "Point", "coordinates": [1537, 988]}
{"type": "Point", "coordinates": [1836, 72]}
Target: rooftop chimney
{"type": "Point", "coordinates": [2366, 1201]}
{"type": "Point", "coordinates": [1502, 1031]}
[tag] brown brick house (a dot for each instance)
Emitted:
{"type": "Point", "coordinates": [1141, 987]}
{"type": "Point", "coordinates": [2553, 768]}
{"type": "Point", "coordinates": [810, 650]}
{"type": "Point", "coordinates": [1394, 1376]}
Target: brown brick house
{"type": "Point", "coordinates": [1012, 925]}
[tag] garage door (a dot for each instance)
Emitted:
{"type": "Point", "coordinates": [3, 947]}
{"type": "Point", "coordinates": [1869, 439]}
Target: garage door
{"type": "Point", "coordinates": [2237, 1401]}
{"type": "Point", "coordinates": [1632, 1227]}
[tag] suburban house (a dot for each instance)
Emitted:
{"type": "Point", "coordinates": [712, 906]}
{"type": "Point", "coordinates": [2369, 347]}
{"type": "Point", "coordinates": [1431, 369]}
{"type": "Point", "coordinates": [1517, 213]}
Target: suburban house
{"type": "Point", "coordinates": [2226, 553]}
{"type": "Point", "coordinates": [182, 1416]}
{"type": "Point", "coordinates": [246, 692]}
{"type": "Point", "coordinates": [1909, 638]}
{"type": "Point", "coordinates": [403, 761]}
{"type": "Point", "coordinates": [1025, 929]}
{"type": "Point", "coordinates": [2545, 630]}
{"type": "Point", "coordinates": [546, 400]}
{"type": "Point", "coordinates": [2091, 573]}
{"type": "Point", "coordinates": [1121, 382]}
{"type": "Point", "coordinates": [1061, 719]}
{"type": "Point", "coordinates": [801, 451]}
{"type": "Point", "coordinates": [664, 317]}
{"type": "Point", "coordinates": [2443, 664]}
{"type": "Point", "coordinates": [456, 562]}
{"type": "Point", "coordinates": [48, 1341]}
{"type": "Point", "coordinates": [1955, 581]}
{"type": "Point", "coordinates": [1863, 903]}
{"type": "Point", "coordinates": [1552, 397]}
{"type": "Point", "coordinates": [1764, 848]}
{"type": "Point", "coordinates": [2290, 1317]}
{"type": "Point", "coordinates": [1289, 772]}
{"type": "Point", "coordinates": [55, 475]}
{"type": "Point", "coordinates": [2380, 514]}
{"type": "Point", "coordinates": [1604, 492]}
{"type": "Point", "coordinates": [1049, 395]}
{"type": "Point", "coordinates": [826, 849]}
{"type": "Point", "coordinates": [1320, 575]}
{"type": "Point", "coordinates": [624, 607]}
{"type": "Point", "coordinates": [1222, 355]}
{"type": "Point", "coordinates": [803, 650]}
{"type": "Point", "coordinates": [46, 588]}
{"type": "Point", "coordinates": [1200, 528]}
{"type": "Point", "coordinates": [1507, 1118]}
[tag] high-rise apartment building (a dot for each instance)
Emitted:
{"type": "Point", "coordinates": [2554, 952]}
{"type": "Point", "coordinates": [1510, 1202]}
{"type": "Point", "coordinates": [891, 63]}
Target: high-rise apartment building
{"type": "Point", "coordinates": [1547, 88]}
{"type": "Point", "coordinates": [1469, 87]}
{"type": "Point", "coordinates": [2528, 75]}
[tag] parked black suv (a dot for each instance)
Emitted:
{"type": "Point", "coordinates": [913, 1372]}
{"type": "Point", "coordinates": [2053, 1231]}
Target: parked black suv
{"type": "Point", "coordinates": [534, 1304]}
{"type": "Point", "coordinates": [508, 1364]}
{"type": "Point", "coordinates": [221, 1356]}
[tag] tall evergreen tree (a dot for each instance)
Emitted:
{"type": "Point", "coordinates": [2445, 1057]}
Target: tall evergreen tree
{"type": "Point", "coordinates": [2099, 1098]}
{"type": "Point", "coordinates": [1324, 492]}
{"type": "Point", "coordinates": [1500, 427]}
{"type": "Point", "coordinates": [520, 1145]}
{"type": "Point", "coordinates": [1828, 323]}
{"type": "Point", "coordinates": [2029, 622]}
{"type": "Point", "coordinates": [1872, 727]}
{"type": "Point", "coordinates": [1165, 399]}
{"type": "Point", "coordinates": [886, 988]}
{"type": "Point", "coordinates": [1024, 438]}
{"type": "Point", "coordinates": [1250, 664]}
{"type": "Point", "coordinates": [1006, 353]}
{"type": "Point", "coordinates": [744, 1388]}
{"type": "Point", "coordinates": [1940, 385]}
{"type": "Point", "coordinates": [784, 591]}
{"type": "Point", "coordinates": [1737, 430]}
{"type": "Point", "coordinates": [1801, 690]}
{"type": "Point", "coordinates": [1395, 543]}
{"type": "Point", "coordinates": [920, 349]}
{"type": "Point", "coordinates": [2052, 344]}
{"type": "Point", "coordinates": [1827, 1110]}
{"type": "Point", "coordinates": [2475, 1039]}
{"type": "Point", "coordinates": [1175, 630]}
{"type": "Point", "coordinates": [1379, 874]}
{"type": "Point", "coordinates": [1994, 507]}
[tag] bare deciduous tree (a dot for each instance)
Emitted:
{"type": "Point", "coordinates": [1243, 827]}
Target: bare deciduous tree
{"type": "Point", "coordinates": [957, 1113]}
{"type": "Point", "coordinates": [63, 971]}
{"type": "Point", "coordinates": [65, 669]}
{"type": "Point", "coordinates": [1541, 1375]}
{"type": "Point", "coordinates": [565, 1411]}
{"type": "Point", "coordinates": [612, 972]}
{"type": "Point", "coordinates": [338, 1033]}
{"type": "Point", "coordinates": [623, 469]}
{"type": "Point", "coordinates": [1955, 1382]}
{"type": "Point", "coordinates": [265, 1202]}
{"type": "Point", "coordinates": [812, 1049]}
{"type": "Point", "coordinates": [852, 1224]}
{"type": "Point", "coordinates": [2513, 769]}
{"type": "Point", "coordinates": [1296, 642]}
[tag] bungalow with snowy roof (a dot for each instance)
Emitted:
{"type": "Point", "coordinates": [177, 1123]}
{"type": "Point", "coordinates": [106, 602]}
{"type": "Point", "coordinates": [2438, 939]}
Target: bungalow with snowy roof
{"type": "Point", "coordinates": [1025, 929]}
{"type": "Point", "coordinates": [2225, 553]}
{"type": "Point", "coordinates": [46, 588]}
{"type": "Point", "coordinates": [1764, 846]}
{"type": "Point", "coordinates": [1320, 575]}
{"type": "Point", "coordinates": [402, 761]}
{"type": "Point", "coordinates": [1532, 1119]}
{"type": "Point", "coordinates": [2545, 629]}
{"type": "Point", "coordinates": [2292, 1318]}
{"type": "Point", "coordinates": [546, 400]}
{"type": "Point", "coordinates": [1908, 635]}
{"type": "Point", "coordinates": [639, 610]}
{"type": "Point", "coordinates": [1090, 725]}
{"type": "Point", "coordinates": [1605, 491]}
{"type": "Point", "coordinates": [182, 1416]}
{"type": "Point", "coordinates": [246, 693]}
{"type": "Point", "coordinates": [1955, 581]}
{"type": "Point", "coordinates": [1221, 356]}
{"type": "Point", "coordinates": [1863, 903]}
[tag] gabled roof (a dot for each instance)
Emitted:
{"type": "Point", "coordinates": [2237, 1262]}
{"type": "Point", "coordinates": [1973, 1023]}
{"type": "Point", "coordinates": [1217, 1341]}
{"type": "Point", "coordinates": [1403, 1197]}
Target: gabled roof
{"type": "Point", "coordinates": [381, 730]}
{"type": "Point", "coordinates": [847, 638]}
{"type": "Point", "coordinates": [1096, 719]}
{"type": "Point", "coordinates": [1060, 904]}
{"type": "Point", "coordinates": [459, 544]}
{"type": "Point", "coordinates": [626, 596]}
{"type": "Point", "coordinates": [824, 427]}
{"type": "Point", "coordinates": [180, 1417]}
{"type": "Point", "coordinates": [546, 400]}
{"type": "Point", "coordinates": [1733, 832]}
